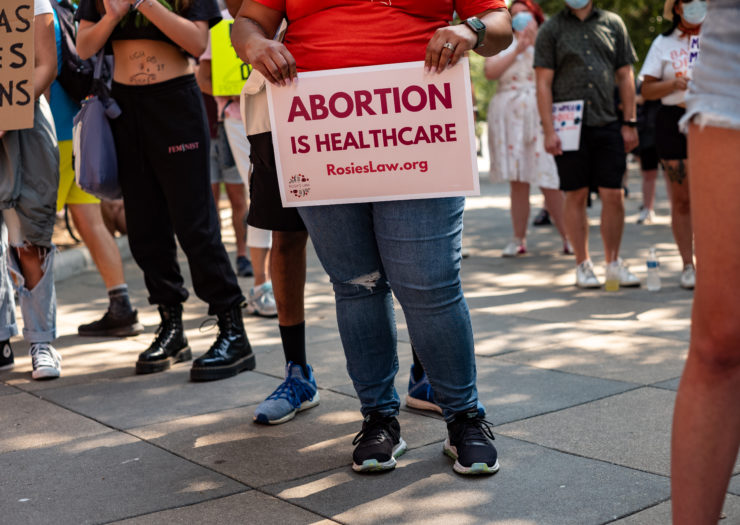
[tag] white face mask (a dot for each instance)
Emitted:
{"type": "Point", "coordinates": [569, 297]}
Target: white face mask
{"type": "Point", "coordinates": [694, 12]}
{"type": "Point", "coordinates": [577, 4]}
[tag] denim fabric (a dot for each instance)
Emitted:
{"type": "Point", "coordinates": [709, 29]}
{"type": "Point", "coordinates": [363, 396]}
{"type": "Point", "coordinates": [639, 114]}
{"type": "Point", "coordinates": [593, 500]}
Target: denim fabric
{"type": "Point", "coordinates": [8, 327]}
{"type": "Point", "coordinates": [38, 306]}
{"type": "Point", "coordinates": [412, 248]}
{"type": "Point", "coordinates": [713, 92]}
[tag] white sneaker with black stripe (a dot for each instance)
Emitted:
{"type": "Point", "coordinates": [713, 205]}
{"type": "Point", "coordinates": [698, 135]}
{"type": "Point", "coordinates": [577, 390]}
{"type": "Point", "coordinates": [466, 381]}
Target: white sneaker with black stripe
{"type": "Point", "coordinates": [47, 363]}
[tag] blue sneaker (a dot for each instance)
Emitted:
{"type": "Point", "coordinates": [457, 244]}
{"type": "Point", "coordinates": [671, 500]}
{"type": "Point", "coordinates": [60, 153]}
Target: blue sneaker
{"type": "Point", "coordinates": [421, 395]}
{"type": "Point", "coordinates": [295, 394]}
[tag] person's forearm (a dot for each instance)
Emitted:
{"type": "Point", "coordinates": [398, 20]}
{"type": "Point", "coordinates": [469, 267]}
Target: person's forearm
{"type": "Point", "coordinates": [626, 78]}
{"type": "Point", "coordinates": [657, 89]}
{"type": "Point", "coordinates": [203, 77]}
{"type": "Point", "coordinates": [497, 65]}
{"type": "Point", "coordinates": [244, 32]}
{"type": "Point", "coordinates": [498, 32]}
{"type": "Point", "coordinates": [43, 76]}
{"type": "Point", "coordinates": [45, 54]}
{"type": "Point", "coordinates": [92, 36]}
{"type": "Point", "coordinates": [544, 106]}
{"type": "Point", "coordinates": [187, 34]}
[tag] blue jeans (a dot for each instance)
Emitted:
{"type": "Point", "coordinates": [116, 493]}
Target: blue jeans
{"type": "Point", "coordinates": [411, 247]}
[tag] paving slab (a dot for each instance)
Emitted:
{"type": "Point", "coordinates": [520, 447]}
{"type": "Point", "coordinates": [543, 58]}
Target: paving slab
{"type": "Point", "coordinates": [735, 485]}
{"type": "Point", "coordinates": [101, 478]}
{"type": "Point", "coordinates": [631, 429]}
{"type": "Point", "coordinates": [5, 389]}
{"type": "Point", "coordinates": [27, 422]}
{"type": "Point", "coordinates": [671, 384]}
{"type": "Point", "coordinates": [534, 485]}
{"type": "Point", "coordinates": [152, 398]}
{"type": "Point", "coordinates": [316, 440]}
{"type": "Point", "coordinates": [661, 514]}
{"type": "Point", "coordinates": [248, 507]}
{"type": "Point", "coordinates": [618, 356]}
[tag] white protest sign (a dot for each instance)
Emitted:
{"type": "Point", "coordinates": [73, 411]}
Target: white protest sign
{"type": "Point", "coordinates": [693, 51]}
{"type": "Point", "coordinates": [567, 118]}
{"type": "Point", "coordinates": [16, 64]}
{"type": "Point", "coordinates": [374, 133]}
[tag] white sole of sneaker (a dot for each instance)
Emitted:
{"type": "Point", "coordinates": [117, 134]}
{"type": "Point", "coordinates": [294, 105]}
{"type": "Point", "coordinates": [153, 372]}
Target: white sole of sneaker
{"type": "Point", "coordinates": [373, 465]}
{"type": "Point", "coordinates": [420, 404]}
{"type": "Point", "coordinates": [474, 469]}
{"type": "Point", "coordinates": [46, 373]}
{"type": "Point", "coordinates": [7, 367]}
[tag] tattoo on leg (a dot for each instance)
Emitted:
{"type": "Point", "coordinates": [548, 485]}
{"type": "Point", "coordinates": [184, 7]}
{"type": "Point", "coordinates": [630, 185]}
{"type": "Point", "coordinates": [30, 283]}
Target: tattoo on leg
{"type": "Point", "coordinates": [676, 172]}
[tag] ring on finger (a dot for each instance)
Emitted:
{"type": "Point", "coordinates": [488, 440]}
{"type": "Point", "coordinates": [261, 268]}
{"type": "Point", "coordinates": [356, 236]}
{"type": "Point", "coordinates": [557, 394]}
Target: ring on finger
{"type": "Point", "coordinates": [449, 46]}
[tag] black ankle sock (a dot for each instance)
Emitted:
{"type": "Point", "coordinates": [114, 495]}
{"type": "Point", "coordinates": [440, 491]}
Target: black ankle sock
{"type": "Point", "coordinates": [294, 343]}
{"type": "Point", "coordinates": [418, 369]}
{"type": "Point", "coordinates": [120, 305]}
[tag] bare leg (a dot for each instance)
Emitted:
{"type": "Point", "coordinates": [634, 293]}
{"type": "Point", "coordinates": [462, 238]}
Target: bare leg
{"type": "Point", "coordinates": [576, 222]}
{"type": "Point", "coordinates": [30, 259]}
{"type": "Point", "coordinates": [612, 221]}
{"type": "Point", "coordinates": [519, 209]}
{"type": "Point", "coordinates": [288, 269]}
{"type": "Point", "coordinates": [676, 174]}
{"type": "Point", "coordinates": [260, 264]}
{"type": "Point", "coordinates": [706, 421]}
{"type": "Point", "coordinates": [103, 248]}
{"type": "Point", "coordinates": [237, 194]}
{"type": "Point", "coordinates": [554, 204]}
{"type": "Point", "coordinates": [649, 177]}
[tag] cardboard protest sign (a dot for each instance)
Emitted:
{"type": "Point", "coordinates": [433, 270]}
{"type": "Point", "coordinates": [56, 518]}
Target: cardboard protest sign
{"type": "Point", "coordinates": [16, 64]}
{"type": "Point", "coordinates": [567, 118]}
{"type": "Point", "coordinates": [374, 133]}
{"type": "Point", "coordinates": [228, 72]}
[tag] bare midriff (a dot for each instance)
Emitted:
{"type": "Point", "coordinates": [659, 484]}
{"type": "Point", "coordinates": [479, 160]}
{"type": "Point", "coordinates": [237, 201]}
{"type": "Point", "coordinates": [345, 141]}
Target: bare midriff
{"type": "Point", "coordinates": [144, 62]}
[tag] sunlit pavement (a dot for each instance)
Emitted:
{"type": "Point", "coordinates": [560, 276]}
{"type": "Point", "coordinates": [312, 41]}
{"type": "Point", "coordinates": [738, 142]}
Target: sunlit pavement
{"type": "Point", "coordinates": [579, 384]}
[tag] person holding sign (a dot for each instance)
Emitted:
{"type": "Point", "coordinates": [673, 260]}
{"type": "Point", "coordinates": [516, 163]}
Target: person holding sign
{"type": "Point", "coordinates": [665, 76]}
{"type": "Point", "coordinates": [29, 175]}
{"type": "Point", "coordinates": [162, 143]}
{"type": "Point", "coordinates": [408, 247]}
{"type": "Point", "coordinates": [515, 137]}
{"type": "Point", "coordinates": [578, 54]}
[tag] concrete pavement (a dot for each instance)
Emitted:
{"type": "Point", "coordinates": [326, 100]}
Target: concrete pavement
{"type": "Point", "coordinates": [579, 384]}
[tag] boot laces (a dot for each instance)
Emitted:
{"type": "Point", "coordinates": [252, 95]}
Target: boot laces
{"type": "Point", "coordinates": [374, 428]}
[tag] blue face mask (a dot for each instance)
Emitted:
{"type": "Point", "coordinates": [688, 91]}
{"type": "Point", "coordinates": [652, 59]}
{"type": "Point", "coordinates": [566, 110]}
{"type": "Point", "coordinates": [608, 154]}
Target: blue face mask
{"type": "Point", "coordinates": [521, 20]}
{"type": "Point", "coordinates": [577, 4]}
{"type": "Point", "coordinates": [694, 12]}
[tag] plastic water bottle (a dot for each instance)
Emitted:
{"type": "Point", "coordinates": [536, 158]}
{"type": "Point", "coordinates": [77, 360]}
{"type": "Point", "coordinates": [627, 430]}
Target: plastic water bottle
{"type": "Point", "coordinates": [653, 271]}
{"type": "Point", "coordinates": [612, 277]}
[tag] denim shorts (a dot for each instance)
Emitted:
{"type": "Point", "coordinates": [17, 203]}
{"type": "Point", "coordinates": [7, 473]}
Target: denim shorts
{"type": "Point", "coordinates": [714, 97]}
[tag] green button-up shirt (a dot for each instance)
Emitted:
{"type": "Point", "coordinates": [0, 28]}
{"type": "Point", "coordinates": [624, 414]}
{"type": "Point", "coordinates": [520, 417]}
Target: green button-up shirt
{"type": "Point", "coordinates": [585, 54]}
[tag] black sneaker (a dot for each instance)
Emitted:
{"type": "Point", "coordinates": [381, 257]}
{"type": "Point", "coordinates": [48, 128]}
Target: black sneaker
{"type": "Point", "coordinates": [542, 218]}
{"type": "Point", "coordinates": [468, 444]}
{"type": "Point", "coordinates": [110, 326]}
{"type": "Point", "coordinates": [6, 356]}
{"type": "Point", "coordinates": [379, 443]}
{"type": "Point", "coordinates": [244, 267]}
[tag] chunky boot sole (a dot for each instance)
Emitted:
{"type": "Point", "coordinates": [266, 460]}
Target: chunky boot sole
{"type": "Point", "coordinates": [151, 367]}
{"type": "Point", "coordinates": [121, 331]}
{"type": "Point", "coordinates": [212, 373]}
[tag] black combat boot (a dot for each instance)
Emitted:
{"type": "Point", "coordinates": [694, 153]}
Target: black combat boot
{"type": "Point", "coordinates": [229, 354]}
{"type": "Point", "coordinates": [169, 346]}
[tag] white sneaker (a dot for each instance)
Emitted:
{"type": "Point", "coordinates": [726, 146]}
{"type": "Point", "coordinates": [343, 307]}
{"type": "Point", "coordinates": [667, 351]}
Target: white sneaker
{"type": "Point", "coordinates": [513, 249]}
{"type": "Point", "coordinates": [626, 277]}
{"type": "Point", "coordinates": [261, 301]}
{"type": "Point", "coordinates": [47, 363]}
{"type": "Point", "coordinates": [688, 277]}
{"type": "Point", "coordinates": [585, 276]}
{"type": "Point", "coordinates": [646, 216]}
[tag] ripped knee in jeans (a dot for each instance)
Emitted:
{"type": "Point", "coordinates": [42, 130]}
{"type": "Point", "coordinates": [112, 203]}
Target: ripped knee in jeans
{"type": "Point", "coordinates": [368, 280]}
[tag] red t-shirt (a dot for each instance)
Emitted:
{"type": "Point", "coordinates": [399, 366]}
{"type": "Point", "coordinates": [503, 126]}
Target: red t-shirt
{"type": "Point", "coordinates": [331, 34]}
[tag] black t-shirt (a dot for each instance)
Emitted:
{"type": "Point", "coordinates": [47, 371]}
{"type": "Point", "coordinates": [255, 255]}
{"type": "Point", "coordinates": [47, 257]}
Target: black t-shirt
{"type": "Point", "coordinates": [135, 26]}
